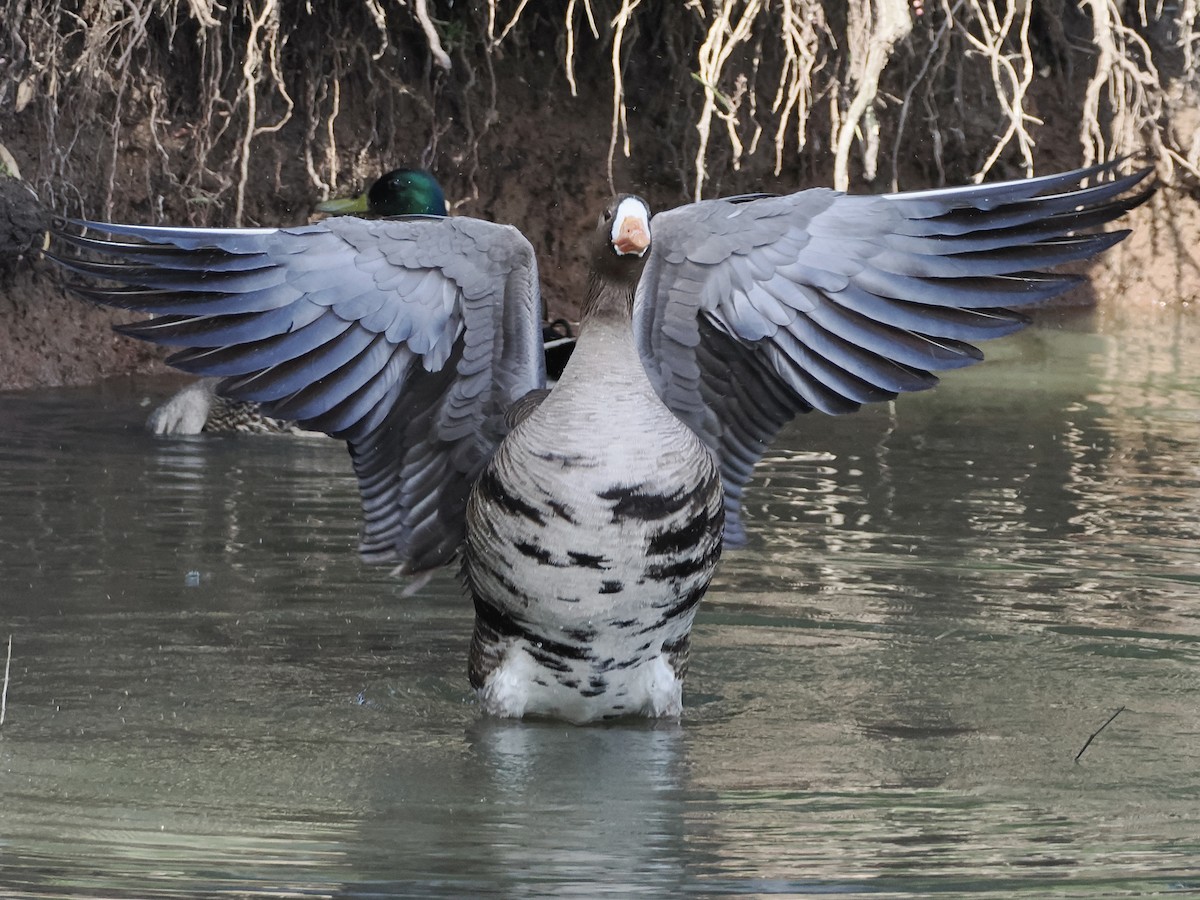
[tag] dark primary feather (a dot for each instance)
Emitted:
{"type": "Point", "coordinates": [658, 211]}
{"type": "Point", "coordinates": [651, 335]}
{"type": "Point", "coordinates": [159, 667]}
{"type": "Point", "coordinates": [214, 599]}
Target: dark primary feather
{"type": "Point", "coordinates": [751, 312]}
{"type": "Point", "coordinates": [409, 338]}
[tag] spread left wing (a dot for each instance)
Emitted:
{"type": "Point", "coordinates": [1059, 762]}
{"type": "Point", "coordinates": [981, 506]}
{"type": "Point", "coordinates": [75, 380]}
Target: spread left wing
{"type": "Point", "coordinates": [751, 310]}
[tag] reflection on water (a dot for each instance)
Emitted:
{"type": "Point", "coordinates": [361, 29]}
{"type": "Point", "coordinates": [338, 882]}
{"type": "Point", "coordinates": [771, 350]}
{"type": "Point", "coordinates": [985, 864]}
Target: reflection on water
{"type": "Point", "coordinates": [941, 601]}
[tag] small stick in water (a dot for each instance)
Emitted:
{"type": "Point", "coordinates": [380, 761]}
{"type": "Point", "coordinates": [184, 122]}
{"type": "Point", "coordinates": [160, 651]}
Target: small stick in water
{"type": "Point", "coordinates": [4, 693]}
{"type": "Point", "coordinates": [1092, 737]}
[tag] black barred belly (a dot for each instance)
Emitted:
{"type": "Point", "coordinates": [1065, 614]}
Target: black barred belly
{"type": "Point", "coordinates": [584, 586]}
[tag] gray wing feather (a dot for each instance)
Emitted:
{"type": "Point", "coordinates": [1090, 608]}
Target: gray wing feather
{"type": "Point", "coordinates": [409, 338]}
{"type": "Point", "coordinates": [754, 309]}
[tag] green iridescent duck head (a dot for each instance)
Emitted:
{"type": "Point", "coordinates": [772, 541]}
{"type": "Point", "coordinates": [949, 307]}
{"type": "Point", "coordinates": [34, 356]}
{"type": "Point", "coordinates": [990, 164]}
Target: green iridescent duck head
{"type": "Point", "coordinates": [401, 192]}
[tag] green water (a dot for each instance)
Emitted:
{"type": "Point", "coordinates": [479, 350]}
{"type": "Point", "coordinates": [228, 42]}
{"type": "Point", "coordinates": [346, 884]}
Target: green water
{"type": "Point", "coordinates": [942, 600]}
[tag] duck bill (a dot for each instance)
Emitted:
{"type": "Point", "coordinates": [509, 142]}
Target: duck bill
{"type": "Point", "coordinates": [344, 205]}
{"type": "Point", "coordinates": [631, 238]}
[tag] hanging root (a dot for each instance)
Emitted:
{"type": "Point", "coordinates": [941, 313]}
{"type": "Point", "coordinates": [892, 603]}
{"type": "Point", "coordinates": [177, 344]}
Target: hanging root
{"type": "Point", "coordinates": [872, 39]}
{"type": "Point", "coordinates": [1011, 74]}
{"type": "Point", "coordinates": [262, 45]}
{"type": "Point", "coordinates": [937, 88]}
{"type": "Point", "coordinates": [440, 56]}
{"type": "Point", "coordinates": [724, 35]}
{"type": "Point", "coordinates": [799, 36]}
{"type": "Point", "coordinates": [1126, 100]}
{"type": "Point", "coordinates": [620, 127]}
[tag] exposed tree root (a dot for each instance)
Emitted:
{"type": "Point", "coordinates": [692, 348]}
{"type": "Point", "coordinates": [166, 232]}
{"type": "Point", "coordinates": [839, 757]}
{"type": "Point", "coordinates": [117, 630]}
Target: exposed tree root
{"type": "Point", "coordinates": [942, 88]}
{"type": "Point", "coordinates": [874, 31]}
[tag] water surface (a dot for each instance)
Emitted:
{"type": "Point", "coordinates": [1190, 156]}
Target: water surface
{"type": "Point", "coordinates": [942, 599]}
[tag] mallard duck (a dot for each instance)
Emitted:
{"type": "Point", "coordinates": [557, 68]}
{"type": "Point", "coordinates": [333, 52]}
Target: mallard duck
{"type": "Point", "coordinates": [400, 192]}
{"type": "Point", "coordinates": [589, 518]}
{"type": "Point", "coordinates": [199, 406]}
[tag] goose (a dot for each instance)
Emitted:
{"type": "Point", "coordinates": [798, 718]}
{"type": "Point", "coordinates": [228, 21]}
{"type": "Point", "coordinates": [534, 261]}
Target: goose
{"type": "Point", "coordinates": [588, 519]}
{"type": "Point", "coordinates": [199, 406]}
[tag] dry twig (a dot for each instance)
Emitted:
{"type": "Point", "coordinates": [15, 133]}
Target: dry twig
{"type": "Point", "coordinates": [1092, 736]}
{"type": "Point", "coordinates": [4, 692]}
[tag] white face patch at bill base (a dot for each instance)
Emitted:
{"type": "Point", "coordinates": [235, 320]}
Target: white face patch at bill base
{"type": "Point", "coordinates": [631, 227]}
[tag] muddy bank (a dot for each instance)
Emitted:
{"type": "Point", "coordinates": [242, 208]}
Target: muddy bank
{"type": "Point", "coordinates": [162, 134]}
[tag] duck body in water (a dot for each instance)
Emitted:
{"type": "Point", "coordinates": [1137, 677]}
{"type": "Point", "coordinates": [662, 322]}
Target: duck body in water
{"type": "Point", "coordinates": [589, 519]}
{"type": "Point", "coordinates": [200, 406]}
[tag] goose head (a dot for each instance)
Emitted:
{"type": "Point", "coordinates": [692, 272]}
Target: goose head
{"type": "Point", "coordinates": [620, 247]}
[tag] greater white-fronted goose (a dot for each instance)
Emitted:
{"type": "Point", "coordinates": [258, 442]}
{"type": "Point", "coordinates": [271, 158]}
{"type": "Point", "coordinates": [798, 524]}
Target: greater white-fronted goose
{"type": "Point", "coordinates": [589, 521]}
